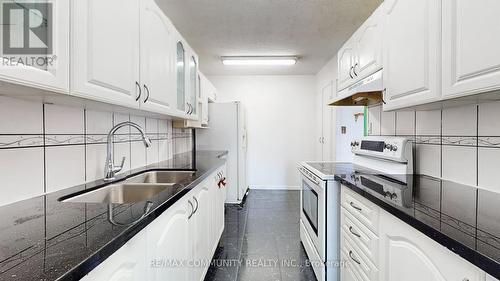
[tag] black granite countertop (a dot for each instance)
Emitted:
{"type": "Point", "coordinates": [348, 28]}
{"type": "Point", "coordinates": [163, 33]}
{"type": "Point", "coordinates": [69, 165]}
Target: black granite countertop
{"type": "Point", "coordinates": [464, 219]}
{"type": "Point", "coordinates": [45, 239]}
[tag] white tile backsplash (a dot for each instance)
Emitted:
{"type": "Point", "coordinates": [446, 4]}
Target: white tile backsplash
{"type": "Point", "coordinates": [64, 166]}
{"type": "Point", "coordinates": [459, 164]}
{"type": "Point", "coordinates": [152, 153]}
{"type": "Point", "coordinates": [428, 159]}
{"type": "Point", "coordinates": [98, 122]}
{"type": "Point", "coordinates": [73, 150]}
{"type": "Point", "coordinates": [460, 144]}
{"type": "Point", "coordinates": [20, 117]}
{"type": "Point", "coordinates": [405, 123]}
{"type": "Point", "coordinates": [489, 119]}
{"type": "Point", "coordinates": [138, 154]}
{"type": "Point", "coordinates": [63, 120]}
{"type": "Point", "coordinates": [21, 171]}
{"type": "Point", "coordinates": [95, 158]}
{"type": "Point", "coordinates": [460, 121]}
{"type": "Point", "coordinates": [428, 123]}
{"type": "Point", "coordinates": [388, 123]}
{"type": "Point", "coordinates": [488, 168]}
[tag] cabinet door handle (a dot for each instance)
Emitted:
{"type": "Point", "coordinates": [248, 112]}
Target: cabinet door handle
{"type": "Point", "coordinates": [350, 73]}
{"type": "Point", "coordinates": [354, 69]}
{"type": "Point", "coordinates": [351, 255]}
{"type": "Point", "coordinates": [197, 205]}
{"type": "Point", "coordinates": [147, 92]}
{"type": "Point", "coordinates": [192, 209]}
{"type": "Point", "coordinates": [354, 206]}
{"type": "Point", "coordinates": [140, 91]}
{"type": "Point", "coordinates": [353, 232]}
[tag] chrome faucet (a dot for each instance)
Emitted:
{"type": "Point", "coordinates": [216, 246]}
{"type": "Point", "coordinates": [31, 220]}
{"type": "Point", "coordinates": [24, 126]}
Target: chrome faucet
{"type": "Point", "coordinates": [110, 169]}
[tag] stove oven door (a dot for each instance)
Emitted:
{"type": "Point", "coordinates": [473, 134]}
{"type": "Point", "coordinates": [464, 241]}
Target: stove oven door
{"type": "Point", "coordinates": [312, 204]}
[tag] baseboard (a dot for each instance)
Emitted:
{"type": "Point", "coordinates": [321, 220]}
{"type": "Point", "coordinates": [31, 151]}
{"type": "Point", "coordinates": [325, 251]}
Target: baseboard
{"type": "Point", "coordinates": [275, 187]}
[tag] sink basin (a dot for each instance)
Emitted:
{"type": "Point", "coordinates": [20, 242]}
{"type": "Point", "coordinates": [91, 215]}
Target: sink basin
{"type": "Point", "coordinates": [121, 193]}
{"type": "Point", "coordinates": [163, 177]}
{"type": "Point", "coordinates": [135, 189]}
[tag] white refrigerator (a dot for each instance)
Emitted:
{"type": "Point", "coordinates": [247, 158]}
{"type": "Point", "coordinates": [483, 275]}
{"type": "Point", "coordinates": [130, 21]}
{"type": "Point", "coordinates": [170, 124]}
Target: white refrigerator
{"type": "Point", "coordinates": [227, 130]}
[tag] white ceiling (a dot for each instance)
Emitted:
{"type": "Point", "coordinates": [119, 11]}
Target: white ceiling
{"type": "Point", "coordinates": [312, 29]}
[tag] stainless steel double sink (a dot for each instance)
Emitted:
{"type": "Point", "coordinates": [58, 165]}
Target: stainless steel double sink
{"type": "Point", "coordinates": [135, 189]}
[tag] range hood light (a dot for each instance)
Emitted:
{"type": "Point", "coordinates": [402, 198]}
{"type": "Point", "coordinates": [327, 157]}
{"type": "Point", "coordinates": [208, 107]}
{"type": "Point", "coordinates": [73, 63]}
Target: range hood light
{"type": "Point", "coordinates": [259, 61]}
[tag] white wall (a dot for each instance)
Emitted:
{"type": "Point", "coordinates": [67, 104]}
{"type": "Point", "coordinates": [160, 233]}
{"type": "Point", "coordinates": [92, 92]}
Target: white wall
{"type": "Point", "coordinates": [281, 118]}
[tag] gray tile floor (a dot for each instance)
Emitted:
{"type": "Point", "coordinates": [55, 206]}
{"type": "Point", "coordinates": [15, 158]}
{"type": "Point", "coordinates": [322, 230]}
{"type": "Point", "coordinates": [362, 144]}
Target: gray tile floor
{"type": "Point", "coordinates": [261, 241]}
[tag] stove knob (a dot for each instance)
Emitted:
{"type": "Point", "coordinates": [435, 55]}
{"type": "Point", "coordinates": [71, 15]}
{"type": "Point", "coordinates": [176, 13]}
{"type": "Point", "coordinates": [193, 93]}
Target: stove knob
{"type": "Point", "coordinates": [394, 196]}
{"type": "Point", "coordinates": [352, 144]}
{"type": "Point", "coordinates": [356, 143]}
{"type": "Point", "coordinates": [394, 148]}
{"type": "Point", "coordinates": [388, 146]}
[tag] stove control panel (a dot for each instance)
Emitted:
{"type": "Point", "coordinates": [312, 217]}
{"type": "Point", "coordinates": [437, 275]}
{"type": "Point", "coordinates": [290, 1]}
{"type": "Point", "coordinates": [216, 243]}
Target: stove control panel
{"type": "Point", "coordinates": [392, 148]}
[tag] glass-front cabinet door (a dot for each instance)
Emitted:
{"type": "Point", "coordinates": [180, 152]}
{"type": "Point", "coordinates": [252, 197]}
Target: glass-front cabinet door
{"type": "Point", "coordinates": [181, 78]}
{"type": "Point", "coordinates": [193, 89]}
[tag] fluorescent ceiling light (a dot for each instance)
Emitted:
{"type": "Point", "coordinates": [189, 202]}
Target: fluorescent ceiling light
{"type": "Point", "coordinates": [259, 61]}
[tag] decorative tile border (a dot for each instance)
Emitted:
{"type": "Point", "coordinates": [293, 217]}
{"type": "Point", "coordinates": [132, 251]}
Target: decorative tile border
{"type": "Point", "coordinates": [19, 141]}
{"type": "Point", "coordinates": [58, 140]}
{"type": "Point", "coordinates": [460, 141]}
{"type": "Point", "coordinates": [493, 142]}
{"type": "Point", "coordinates": [428, 140]}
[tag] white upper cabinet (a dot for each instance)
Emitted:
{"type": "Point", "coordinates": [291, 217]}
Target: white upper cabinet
{"type": "Point", "coordinates": [50, 70]}
{"type": "Point", "coordinates": [105, 51]}
{"type": "Point", "coordinates": [346, 58]}
{"type": "Point", "coordinates": [368, 46]}
{"type": "Point", "coordinates": [411, 256]}
{"type": "Point", "coordinates": [471, 44]}
{"type": "Point", "coordinates": [412, 52]}
{"type": "Point", "coordinates": [361, 55]}
{"type": "Point", "coordinates": [157, 59]}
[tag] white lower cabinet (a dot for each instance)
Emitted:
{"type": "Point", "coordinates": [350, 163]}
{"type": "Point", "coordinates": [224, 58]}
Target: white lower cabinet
{"type": "Point", "coordinates": [168, 246]}
{"type": "Point", "coordinates": [398, 252]}
{"type": "Point", "coordinates": [199, 231]}
{"type": "Point", "coordinates": [411, 256]}
{"type": "Point", "coordinates": [126, 264]}
{"type": "Point", "coordinates": [177, 246]}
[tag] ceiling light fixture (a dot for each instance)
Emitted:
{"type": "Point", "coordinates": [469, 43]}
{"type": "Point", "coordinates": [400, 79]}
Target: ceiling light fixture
{"type": "Point", "coordinates": [259, 61]}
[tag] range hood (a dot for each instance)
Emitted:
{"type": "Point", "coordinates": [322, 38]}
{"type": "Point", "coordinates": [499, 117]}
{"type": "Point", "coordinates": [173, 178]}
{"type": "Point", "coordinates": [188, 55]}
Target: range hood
{"type": "Point", "coordinates": [367, 91]}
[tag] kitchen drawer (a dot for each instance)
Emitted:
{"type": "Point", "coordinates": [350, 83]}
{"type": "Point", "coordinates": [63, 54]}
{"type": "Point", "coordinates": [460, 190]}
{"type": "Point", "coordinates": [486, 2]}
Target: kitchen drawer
{"type": "Point", "coordinates": [348, 272]}
{"type": "Point", "coordinates": [366, 240]}
{"type": "Point", "coordinates": [358, 261]}
{"type": "Point", "coordinates": [362, 209]}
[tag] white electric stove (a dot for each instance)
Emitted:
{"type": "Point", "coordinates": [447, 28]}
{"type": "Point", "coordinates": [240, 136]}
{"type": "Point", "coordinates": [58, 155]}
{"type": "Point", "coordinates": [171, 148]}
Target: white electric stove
{"type": "Point", "coordinates": [378, 162]}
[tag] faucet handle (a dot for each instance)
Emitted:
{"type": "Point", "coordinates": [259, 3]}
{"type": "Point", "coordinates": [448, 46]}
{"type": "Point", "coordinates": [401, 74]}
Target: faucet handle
{"type": "Point", "coordinates": [119, 168]}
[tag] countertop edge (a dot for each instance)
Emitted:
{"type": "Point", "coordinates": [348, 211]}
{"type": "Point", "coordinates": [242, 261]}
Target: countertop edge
{"type": "Point", "coordinates": [479, 260]}
{"type": "Point", "coordinates": [87, 265]}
